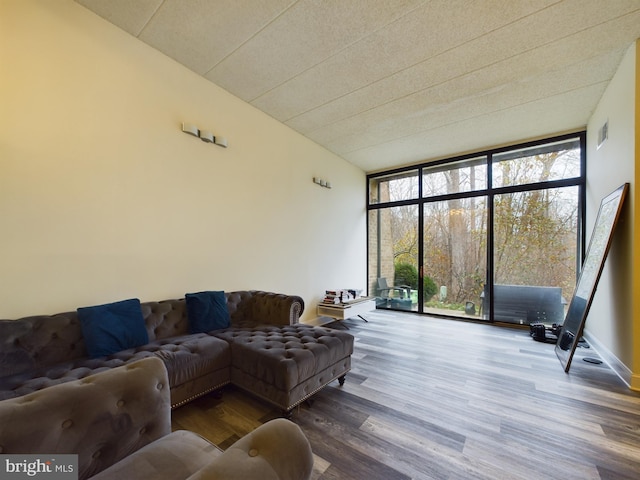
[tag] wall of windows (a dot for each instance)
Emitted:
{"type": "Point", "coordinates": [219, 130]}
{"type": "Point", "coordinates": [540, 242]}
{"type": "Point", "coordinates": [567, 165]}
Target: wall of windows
{"type": "Point", "coordinates": [493, 236]}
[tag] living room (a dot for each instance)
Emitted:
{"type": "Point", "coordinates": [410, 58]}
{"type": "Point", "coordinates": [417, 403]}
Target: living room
{"type": "Point", "coordinates": [112, 200]}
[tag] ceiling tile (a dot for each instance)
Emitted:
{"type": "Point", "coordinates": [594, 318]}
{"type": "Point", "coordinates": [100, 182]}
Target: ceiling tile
{"type": "Point", "coordinates": [474, 134]}
{"type": "Point", "coordinates": [388, 82]}
{"type": "Point", "coordinates": [418, 116]}
{"type": "Point", "coordinates": [491, 51]}
{"type": "Point", "coordinates": [310, 32]}
{"type": "Point", "coordinates": [425, 34]}
{"type": "Point", "coordinates": [201, 33]}
{"type": "Point", "coordinates": [129, 16]}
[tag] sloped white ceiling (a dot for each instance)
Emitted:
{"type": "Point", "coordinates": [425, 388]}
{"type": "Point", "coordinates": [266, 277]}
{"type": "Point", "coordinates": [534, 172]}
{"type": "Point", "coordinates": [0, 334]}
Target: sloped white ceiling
{"type": "Point", "coordinates": [384, 83]}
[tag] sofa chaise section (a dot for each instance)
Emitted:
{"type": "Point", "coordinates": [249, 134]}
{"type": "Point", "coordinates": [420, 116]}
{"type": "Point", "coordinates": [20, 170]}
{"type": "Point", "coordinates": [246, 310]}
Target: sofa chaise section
{"type": "Point", "coordinates": [285, 365]}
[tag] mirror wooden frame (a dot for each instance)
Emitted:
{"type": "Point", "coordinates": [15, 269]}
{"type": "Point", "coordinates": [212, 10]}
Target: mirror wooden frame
{"type": "Point", "coordinates": [599, 246]}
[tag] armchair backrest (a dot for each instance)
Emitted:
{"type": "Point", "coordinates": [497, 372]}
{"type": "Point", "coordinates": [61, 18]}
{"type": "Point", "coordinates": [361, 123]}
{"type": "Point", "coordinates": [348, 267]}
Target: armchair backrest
{"type": "Point", "coordinates": [382, 284]}
{"type": "Point", "coordinates": [102, 418]}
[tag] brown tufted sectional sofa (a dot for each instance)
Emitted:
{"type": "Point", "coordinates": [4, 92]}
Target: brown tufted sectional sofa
{"type": "Point", "coordinates": [264, 351]}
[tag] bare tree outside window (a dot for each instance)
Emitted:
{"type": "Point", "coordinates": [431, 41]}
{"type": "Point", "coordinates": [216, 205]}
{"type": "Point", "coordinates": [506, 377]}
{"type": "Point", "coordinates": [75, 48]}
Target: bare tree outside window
{"type": "Point", "coordinates": [535, 226]}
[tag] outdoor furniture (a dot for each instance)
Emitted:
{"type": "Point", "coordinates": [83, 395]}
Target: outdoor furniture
{"type": "Point", "coordinates": [400, 303]}
{"type": "Point", "coordinates": [525, 304]}
{"type": "Point", "coordinates": [384, 290]}
{"type": "Point", "coordinates": [393, 296]}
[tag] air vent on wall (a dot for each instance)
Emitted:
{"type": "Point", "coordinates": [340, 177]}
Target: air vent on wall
{"type": "Point", "coordinates": [603, 134]}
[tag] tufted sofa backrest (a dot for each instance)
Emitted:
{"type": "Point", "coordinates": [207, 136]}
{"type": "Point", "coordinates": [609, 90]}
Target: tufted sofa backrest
{"type": "Point", "coordinates": [111, 415]}
{"type": "Point", "coordinates": [32, 342]}
{"type": "Point", "coordinates": [165, 319]}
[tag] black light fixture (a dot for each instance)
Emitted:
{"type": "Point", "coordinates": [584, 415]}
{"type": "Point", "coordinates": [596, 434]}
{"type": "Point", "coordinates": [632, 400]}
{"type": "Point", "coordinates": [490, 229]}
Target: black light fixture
{"type": "Point", "coordinates": [204, 135]}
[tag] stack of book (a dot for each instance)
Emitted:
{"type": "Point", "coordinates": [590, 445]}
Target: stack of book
{"type": "Point", "coordinates": [332, 296]}
{"type": "Point", "coordinates": [339, 296]}
{"type": "Point", "coordinates": [355, 293]}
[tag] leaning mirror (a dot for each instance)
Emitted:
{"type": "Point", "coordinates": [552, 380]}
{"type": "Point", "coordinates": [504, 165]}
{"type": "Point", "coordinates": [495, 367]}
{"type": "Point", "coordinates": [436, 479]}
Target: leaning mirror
{"type": "Point", "coordinates": [599, 245]}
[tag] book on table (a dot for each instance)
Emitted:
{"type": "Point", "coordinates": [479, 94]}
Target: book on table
{"type": "Point", "coordinates": [335, 297]}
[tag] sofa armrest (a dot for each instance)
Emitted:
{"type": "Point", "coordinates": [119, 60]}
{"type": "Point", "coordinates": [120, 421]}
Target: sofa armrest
{"type": "Point", "coordinates": [277, 450]}
{"type": "Point", "coordinates": [276, 308]}
{"type": "Point", "coordinates": [254, 307]}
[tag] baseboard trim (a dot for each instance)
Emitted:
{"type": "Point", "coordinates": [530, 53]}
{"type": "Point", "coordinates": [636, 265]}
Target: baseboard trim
{"type": "Point", "coordinates": [626, 375]}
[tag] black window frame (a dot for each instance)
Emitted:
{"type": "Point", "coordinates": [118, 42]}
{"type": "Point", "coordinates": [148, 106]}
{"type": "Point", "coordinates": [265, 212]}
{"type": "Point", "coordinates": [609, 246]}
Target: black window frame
{"type": "Point", "coordinates": [490, 192]}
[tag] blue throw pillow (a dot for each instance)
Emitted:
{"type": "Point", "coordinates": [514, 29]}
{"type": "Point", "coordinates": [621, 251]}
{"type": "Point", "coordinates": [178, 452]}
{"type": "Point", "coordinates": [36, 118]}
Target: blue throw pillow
{"type": "Point", "coordinates": [113, 327]}
{"type": "Point", "coordinates": [207, 311]}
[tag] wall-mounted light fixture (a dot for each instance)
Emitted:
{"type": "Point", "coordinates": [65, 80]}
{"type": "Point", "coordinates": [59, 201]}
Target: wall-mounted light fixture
{"type": "Point", "coordinates": [191, 129]}
{"type": "Point", "coordinates": [321, 182]}
{"type": "Point", "coordinates": [204, 135]}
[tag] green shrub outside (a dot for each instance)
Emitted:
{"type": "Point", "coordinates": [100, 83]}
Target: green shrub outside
{"type": "Point", "coordinates": [430, 288]}
{"type": "Point", "coordinates": [407, 274]}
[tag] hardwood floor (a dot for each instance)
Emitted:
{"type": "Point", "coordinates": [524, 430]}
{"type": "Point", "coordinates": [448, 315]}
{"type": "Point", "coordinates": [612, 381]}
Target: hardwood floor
{"type": "Point", "coordinates": [429, 398]}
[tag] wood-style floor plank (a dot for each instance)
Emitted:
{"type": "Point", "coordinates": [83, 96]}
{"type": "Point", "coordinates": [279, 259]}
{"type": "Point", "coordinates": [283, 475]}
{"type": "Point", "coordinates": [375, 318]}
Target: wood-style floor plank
{"type": "Point", "coordinates": [431, 398]}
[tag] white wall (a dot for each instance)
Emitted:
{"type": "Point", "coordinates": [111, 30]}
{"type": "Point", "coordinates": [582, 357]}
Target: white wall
{"type": "Point", "coordinates": [611, 320]}
{"type": "Point", "coordinates": [102, 197]}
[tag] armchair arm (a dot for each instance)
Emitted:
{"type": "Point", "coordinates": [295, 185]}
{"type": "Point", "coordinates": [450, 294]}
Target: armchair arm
{"type": "Point", "coordinates": [277, 450]}
{"type": "Point", "coordinates": [402, 289]}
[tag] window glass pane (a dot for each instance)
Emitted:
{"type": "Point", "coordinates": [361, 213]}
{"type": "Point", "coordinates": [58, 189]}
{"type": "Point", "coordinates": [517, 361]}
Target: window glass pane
{"type": "Point", "coordinates": [462, 176]}
{"type": "Point", "coordinates": [534, 236]}
{"type": "Point", "coordinates": [394, 187]}
{"type": "Point", "coordinates": [542, 163]}
{"type": "Point", "coordinates": [393, 257]}
{"type": "Point", "coordinates": [535, 245]}
{"type": "Point", "coordinates": [455, 256]}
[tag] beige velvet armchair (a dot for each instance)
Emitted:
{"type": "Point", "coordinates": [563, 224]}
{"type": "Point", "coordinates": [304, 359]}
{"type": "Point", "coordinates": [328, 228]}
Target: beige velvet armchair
{"type": "Point", "coordinates": [118, 422]}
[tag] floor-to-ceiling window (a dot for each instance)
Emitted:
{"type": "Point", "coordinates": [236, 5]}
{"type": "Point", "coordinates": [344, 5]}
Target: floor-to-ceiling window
{"type": "Point", "coordinates": [492, 236]}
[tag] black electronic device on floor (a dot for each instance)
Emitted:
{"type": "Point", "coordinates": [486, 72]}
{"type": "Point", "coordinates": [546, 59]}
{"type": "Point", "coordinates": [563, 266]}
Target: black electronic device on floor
{"type": "Point", "coordinates": [545, 333]}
